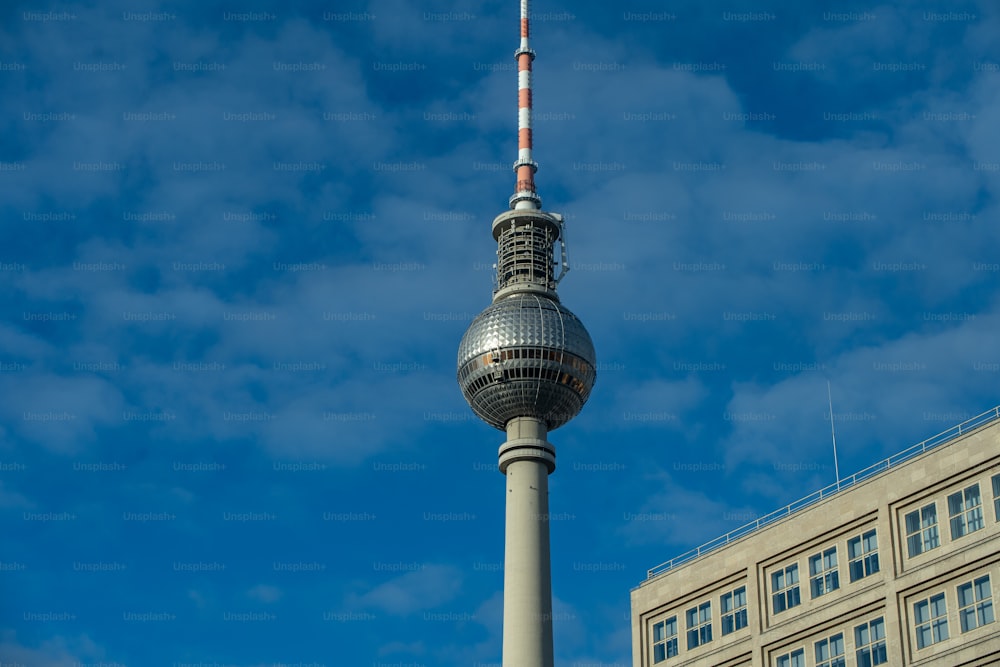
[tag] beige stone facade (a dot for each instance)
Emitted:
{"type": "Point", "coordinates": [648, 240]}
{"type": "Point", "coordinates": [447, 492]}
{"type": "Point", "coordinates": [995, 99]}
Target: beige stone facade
{"type": "Point", "coordinates": [902, 568]}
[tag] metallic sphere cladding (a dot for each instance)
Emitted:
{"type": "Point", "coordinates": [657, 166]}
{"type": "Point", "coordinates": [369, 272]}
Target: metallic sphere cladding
{"type": "Point", "coordinates": [526, 355]}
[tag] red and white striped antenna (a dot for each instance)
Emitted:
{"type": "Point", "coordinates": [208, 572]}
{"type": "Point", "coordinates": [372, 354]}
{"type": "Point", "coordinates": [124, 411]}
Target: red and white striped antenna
{"type": "Point", "coordinates": [524, 196]}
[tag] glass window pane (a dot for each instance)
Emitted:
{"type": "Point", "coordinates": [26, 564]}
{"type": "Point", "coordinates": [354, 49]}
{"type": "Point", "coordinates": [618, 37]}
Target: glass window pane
{"type": "Point", "coordinates": [920, 612]}
{"type": "Point", "coordinates": [983, 588]}
{"type": "Point", "coordinates": [659, 653]}
{"type": "Point", "coordinates": [975, 518]}
{"type": "Point", "coordinates": [967, 619]}
{"type": "Point", "coordinates": [854, 548]}
{"type": "Point", "coordinates": [878, 629]}
{"type": "Point", "coordinates": [955, 503]}
{"type": "Point", "coordinates": [929, 515]}
{"type": "Point", "coordinates": [965, 595]}
{"type": "Point", "coordinates": [986, 613]}
{"type": "Point", "coordinates": [871, 541]}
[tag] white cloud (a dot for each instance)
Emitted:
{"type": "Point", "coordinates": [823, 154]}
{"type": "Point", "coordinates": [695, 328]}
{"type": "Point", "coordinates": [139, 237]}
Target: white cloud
{"type": "Point", "coordinates": [420, 590]}
{"type": "Point", "coordinates": [265, 593]}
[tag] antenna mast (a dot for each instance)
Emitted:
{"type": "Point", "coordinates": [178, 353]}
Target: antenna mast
{"type": "Point", "coordinates": [524, 190]}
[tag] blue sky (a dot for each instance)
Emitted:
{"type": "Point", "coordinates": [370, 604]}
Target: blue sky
{"type": "Point", "coordinates": [241, 243]}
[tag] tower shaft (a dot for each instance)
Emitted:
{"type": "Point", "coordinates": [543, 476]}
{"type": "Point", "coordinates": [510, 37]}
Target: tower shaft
{"type": "Point", "coordinates": [527, 459]}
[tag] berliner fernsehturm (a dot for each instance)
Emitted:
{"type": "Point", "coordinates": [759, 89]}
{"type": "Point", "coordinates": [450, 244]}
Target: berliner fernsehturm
{"type": "Point", "coordinates": [526, 365]}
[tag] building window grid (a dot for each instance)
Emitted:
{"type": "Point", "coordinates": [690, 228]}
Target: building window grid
{"type": "Point", "coordinates": [785, 588]}
{"type": "Point", "coordinates": [922, 530]}
{"type": "Point", "coordinates": [931, 618]}
{"type": "Point", "coordinates": [796, 658]}
{"type": "Point", "coordinates": [824, 577]}
{"type": "Point", "coordinates": [862, 554]}
{"type": "Point", "coordinates": [975, 604]}
{"type": "Point", "coordinates": [830, 651]}
{"type": "Point", "coordinates": [733, 612]}
{"type": "Point", "coordinates": [965, 511]}
{"type": "Point", "coordinates": [699, 625]}
{"type": "Point", "coordinates": [665, 639]}
{"type": "Point", "coordinates": [869, 643]}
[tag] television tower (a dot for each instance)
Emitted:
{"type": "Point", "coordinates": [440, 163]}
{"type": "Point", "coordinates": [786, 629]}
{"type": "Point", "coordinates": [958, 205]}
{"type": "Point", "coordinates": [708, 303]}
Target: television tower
{"type": "Point", "coordinates": [526, 365]}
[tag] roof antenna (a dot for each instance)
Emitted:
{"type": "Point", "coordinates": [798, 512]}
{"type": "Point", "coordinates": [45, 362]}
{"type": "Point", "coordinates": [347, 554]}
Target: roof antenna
{"type": "Point", "coordinates": [833, 434]}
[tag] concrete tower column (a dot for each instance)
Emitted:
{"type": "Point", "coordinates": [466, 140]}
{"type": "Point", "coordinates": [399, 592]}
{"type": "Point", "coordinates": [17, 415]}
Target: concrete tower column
{"type": "Point", "coordinates": [527, 459]}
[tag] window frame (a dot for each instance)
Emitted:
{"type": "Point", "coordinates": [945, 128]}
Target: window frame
{"type": "Point", "coordinates": [787, 591]}
{"type": "Point", "coordinates": [995, 480]}
{"type": "Point", "coordinates": [794, 658]}
{"type": "Point", "coordinates": [831, 659]}
{"type": "Point", "coordinates": [961, 515]}
{"type": "Point", "coordinates": [977, 606]}
{"type": "Point", "coordinates": [865, 556]}
{"type": "Point", "coordinates": [667, 640]}
{"type": "Point", "coordinates": [930, 625]}
{"type": "Point", "coordinates": [701, 632]}
{"type": "Point", "coordinates": [736, 613]}
{"type": "Point", "coordinates": [866, 654]}
{"type": "Point", "coordinates": [826, 580]}
{"type": "Point", "coordinates": [926, 536]}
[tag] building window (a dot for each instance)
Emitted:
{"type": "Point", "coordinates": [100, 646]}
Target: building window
{"type": "Point", "coordinates": [975, 603]}
{"type": "Point", "coordinates": [965, 512]}
{"type": "Point", "coordinates": [785, 588]}
{"type": "Point", "coordinates": [931, 617]}
{"type": "Point", "coordinates": [922, 530]}
{"type": "Point", "coordinates": [734, 610]}
{"type": "Point", "coordinates": [699, 625]}
{"type": "Point", "coordinates": [869, 640]}
{"type": "Point", "coordinates": [830, 651]}
{"type": "Point", "coordinates": [665, 639]}
{"type": "Point", "coordinates": [796, 658]}
{"type": "Point", "coordinates": [823, 574]}
{"type": "Point", "coordinates": [862, 552]}
{"type": "Point", "coordinates": [996, 497]}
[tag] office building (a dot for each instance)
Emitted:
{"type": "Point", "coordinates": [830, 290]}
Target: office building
{"type": "Point", "coordinates": [896, 565]}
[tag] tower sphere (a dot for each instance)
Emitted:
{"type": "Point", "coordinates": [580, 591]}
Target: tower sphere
{"type": "Point", "coordinates": [526, 355]}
